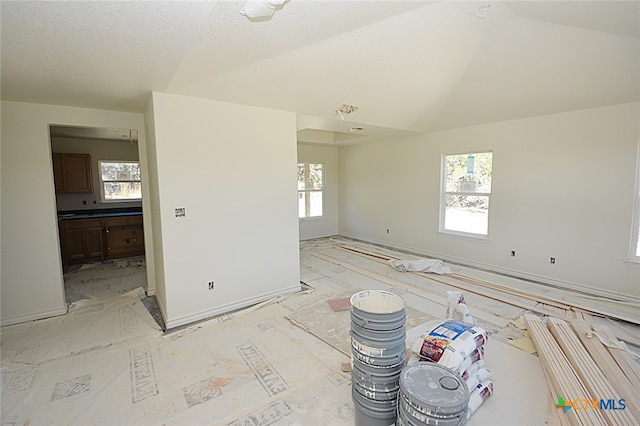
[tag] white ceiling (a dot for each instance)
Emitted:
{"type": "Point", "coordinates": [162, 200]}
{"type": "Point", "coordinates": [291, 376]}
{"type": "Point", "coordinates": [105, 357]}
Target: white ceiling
{"type": "Point", "coordinates": [410, 66]}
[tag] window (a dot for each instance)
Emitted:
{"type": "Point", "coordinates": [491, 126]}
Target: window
{"type": "Point", "coordinates": [465, 194]}
{"type": "Point", "coordinates": [634, 251]}
{"type": "Point", "coordinates": [310, 189]}
{"type": "Point", "coordinates": [120, 181]}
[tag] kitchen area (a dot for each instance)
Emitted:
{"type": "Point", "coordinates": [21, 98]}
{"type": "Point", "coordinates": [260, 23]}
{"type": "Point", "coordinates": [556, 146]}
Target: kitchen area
{"type": "Point", "coordinates": [98, 194]}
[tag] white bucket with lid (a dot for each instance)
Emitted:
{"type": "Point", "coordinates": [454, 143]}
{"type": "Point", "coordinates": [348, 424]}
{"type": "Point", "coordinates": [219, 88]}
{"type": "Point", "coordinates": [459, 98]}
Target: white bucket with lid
{"type": "Point", "coordinates": [431, 394]}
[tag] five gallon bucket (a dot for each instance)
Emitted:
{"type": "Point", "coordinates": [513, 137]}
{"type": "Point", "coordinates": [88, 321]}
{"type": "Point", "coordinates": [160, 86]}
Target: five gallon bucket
{"type": "Point", "coordinates": [431, 394]}
{"type": "Point", "coordinates": [378, 349]}
{"type": "Point", "coordinates": [370, 412]}
{"type": "Point", "coordinates": [378, 310]}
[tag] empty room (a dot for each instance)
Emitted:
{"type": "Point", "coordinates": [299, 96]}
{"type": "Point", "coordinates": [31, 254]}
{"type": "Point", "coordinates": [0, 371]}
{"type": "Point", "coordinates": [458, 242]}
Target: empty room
{"type": "Point", "coordinates": [310, 212]}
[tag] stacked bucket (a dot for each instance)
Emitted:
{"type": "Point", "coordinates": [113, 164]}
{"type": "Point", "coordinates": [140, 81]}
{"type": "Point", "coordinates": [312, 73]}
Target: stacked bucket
{"type": "Point", "coordinates": [378, 348]}
{"type": "Point", "coordinates": [431, 394]}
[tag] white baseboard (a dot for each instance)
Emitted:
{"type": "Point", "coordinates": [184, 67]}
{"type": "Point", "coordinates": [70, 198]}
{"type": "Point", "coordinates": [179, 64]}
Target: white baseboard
{"type": "Point", "coordinates": [323, 235]}
{"type": "Point", "coordinates": [34, 316]}
{"type": "Point", "coordinates": [219, 310]}
{"type": "Point", "coordinates": [504, 271]}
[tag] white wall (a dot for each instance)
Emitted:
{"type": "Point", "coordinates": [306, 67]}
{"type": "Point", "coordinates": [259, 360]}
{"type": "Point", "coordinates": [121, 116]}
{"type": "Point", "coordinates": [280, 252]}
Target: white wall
{"type": "Point", "coordinates": [153, 211]}
{"type": "Point", "coordinates": [29, 228]}
{"type": "Point", "coordinates": [328, 224]}
{"type": "Point", "coordinates": [232, 167]}
{"type": "Point", "coordinates": [563, 186]}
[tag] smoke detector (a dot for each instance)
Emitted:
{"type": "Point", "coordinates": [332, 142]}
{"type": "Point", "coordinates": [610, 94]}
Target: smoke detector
{"type": "Point", "coordinates": [346, 111]}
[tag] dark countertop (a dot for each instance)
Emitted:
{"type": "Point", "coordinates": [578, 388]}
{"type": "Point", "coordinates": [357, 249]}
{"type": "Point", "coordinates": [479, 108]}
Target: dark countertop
{"type": "Point", "coordinates": [97, 213]}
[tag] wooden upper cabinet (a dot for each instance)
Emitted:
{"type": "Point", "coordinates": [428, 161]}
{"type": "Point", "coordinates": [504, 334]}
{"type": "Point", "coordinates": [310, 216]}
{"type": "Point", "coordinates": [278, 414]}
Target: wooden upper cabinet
{"type": "Point", "coordinates": [72, 172]}
{"type": "Point", "coordinates": [58, 172]}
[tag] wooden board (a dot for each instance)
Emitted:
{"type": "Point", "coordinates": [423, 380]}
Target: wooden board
{"type": "Point", "coordinates": [607, 364]}
{"type": "Point", "coordinates": [499, 321]}
{"type": "Point", "coordinates": [588, 371]}
{"type": "Point", "coordinates": [560, 372]}
{"type": "Point", "coordinates": [629, 314]}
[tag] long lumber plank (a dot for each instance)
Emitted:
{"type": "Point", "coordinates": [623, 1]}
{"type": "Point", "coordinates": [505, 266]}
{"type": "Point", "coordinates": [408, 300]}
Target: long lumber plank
{"type": "Point", "coordinates": [526, 306]}
{"type": "Point", "coordinates": [536, 297]}
{"type": "Point", "coordinates": [385, 259]}
{"type": "Point", "coordinates": [486, 316]}
{"type": "Point", "coordinates": [555, 415]}
{"type": "Point", "coordinates": [481, 292]}
{"type": "Point", "coordinates": [562, 374]}
{"type": "Point", "coordinates": [621, 355]}
{"type": "Point", "coordinates": [588, 371]}
{"type": "Point", "coordinates": [607, 364]}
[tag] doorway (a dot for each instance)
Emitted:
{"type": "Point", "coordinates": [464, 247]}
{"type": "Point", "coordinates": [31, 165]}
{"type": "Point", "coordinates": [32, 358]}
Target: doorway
{"type": "Point", "coordinates": [99, 208]}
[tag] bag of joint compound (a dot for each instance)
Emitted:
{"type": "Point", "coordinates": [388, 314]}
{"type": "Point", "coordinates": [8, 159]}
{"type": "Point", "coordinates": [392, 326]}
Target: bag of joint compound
{"type": "Point", "coordinates": [452, 344]}
{"type": "Point", "coordinates": [478, 395]}
{"type": "Point", "coordinates": [473, 357]}
{"type": "Point", "coordinates": [472, 369]}
{"type": "Point", "coordinates": [457, 309]}
{"type": "Point", "coordinates": [477, 377]}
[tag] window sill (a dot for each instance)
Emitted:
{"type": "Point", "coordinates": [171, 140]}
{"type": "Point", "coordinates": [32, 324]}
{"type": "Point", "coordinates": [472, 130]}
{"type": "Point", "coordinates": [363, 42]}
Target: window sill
{"type": "Point", "coordinates": [304, 219]}
{"type": "Point", "coordinates": [634, 263]}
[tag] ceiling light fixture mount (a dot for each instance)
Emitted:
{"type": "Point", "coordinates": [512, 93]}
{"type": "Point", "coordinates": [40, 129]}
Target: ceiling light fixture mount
{"type": "Point", "coordinates": [261, 9]}
{"type": "Point", "coordinates": [481, 13]}
{"type": "Point", "coordinates": [346, 111]}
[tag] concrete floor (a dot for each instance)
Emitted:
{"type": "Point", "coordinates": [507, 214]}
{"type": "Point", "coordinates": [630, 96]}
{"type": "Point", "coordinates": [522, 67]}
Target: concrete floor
{"type": "Point", "coordinates": [277, 363]}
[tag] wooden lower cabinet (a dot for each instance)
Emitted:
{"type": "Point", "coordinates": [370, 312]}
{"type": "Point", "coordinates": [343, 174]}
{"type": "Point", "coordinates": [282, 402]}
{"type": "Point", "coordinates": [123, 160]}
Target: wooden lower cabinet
{"type": "Point", "coordinates": [125, 237]}
{"type": "Point", "coordinates": [84, 240]}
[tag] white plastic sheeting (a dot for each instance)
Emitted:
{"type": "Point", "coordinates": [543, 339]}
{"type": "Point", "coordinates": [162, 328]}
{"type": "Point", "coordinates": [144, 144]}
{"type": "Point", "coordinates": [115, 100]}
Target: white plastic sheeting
{"type": "Point", "coordinates": [435, 266]}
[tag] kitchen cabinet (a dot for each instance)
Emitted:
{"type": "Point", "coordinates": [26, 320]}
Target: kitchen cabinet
{"type": "Point", "coordinates": [82, 240]}
{"type": "Point", "coordinates": [72, 172]}
{"type": "Point", "coordinates": [125, 236]}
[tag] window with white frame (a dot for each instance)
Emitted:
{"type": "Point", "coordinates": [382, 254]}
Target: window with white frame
{"type": "Point", "coordinates": [310, 189]}
{"type": "Point", "coordinates": [634, 251]}
{"type": "Point", "coordinates": [120, 181]}
{"type": "Point", "coordinates": [465, 193]}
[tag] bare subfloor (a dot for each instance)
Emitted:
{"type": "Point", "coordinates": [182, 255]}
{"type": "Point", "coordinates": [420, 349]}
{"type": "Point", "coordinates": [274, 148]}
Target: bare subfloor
{"type": "Point", "coordinates": [277, 363]}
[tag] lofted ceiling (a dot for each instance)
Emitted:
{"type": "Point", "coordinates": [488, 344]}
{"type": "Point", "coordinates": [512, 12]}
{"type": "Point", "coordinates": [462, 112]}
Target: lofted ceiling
{"type": "Point", "coordinates": [409, 66]}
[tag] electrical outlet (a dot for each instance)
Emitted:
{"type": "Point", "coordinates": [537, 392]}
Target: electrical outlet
{"type": "Point", "coordinates": [181, 212]}
{"type": "Point", "coordinates": [552, 260]}
{"type": "Point", "coordinates": [211, 285]}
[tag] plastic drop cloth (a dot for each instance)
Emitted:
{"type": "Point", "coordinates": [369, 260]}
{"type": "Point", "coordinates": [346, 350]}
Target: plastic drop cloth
{"type": "Point", "coordinates": [435, 266]}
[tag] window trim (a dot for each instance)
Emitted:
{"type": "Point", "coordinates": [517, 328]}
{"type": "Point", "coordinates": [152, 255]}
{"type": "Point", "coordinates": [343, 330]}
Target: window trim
{"type": "Point", "coordinates": [634, 258]}
{"type": "Point", "coordinates": [103, 199]}
{"type": "Point", "coordinates": [444, 193]}
{"type": "Point", "coordinates": [314, 190]}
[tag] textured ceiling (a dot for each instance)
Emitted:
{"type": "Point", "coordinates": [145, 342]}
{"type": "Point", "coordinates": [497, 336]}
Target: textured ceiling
{"type": "Point", "coordinates": [410, 66]}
